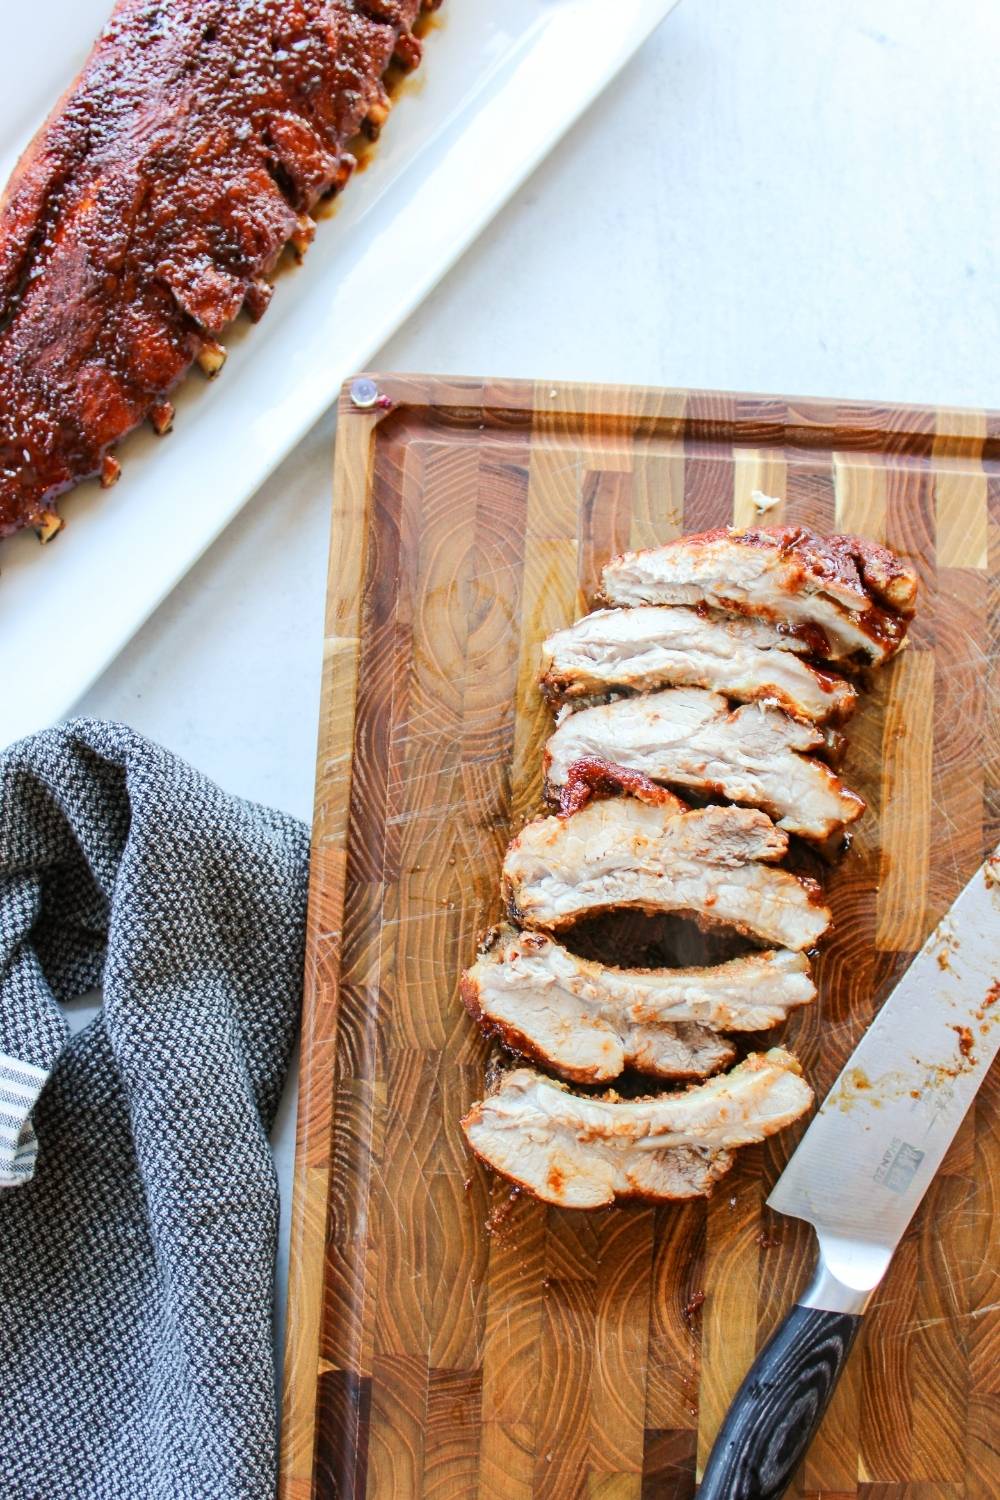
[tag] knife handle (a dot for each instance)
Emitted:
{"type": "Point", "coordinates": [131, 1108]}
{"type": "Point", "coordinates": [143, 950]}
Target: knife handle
{"type": "Point", "coordinates": [779, 1406]}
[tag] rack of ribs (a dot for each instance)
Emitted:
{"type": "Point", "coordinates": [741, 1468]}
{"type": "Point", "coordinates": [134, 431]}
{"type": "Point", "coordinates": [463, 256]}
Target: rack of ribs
{"type": "Point", "coordinates": [154, 202]}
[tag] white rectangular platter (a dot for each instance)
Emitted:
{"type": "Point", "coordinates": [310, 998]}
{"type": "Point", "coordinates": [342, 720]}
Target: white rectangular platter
{"type": "Point", "coordinates": [499, 85]}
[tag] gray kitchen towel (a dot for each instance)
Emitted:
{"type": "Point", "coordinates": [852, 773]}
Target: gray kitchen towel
{"type": "Point", "coordinates": [139, 1220]}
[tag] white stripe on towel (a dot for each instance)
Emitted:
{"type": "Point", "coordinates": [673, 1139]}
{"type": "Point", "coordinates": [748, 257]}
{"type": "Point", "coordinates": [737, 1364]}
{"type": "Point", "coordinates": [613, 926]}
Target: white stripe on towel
{"type": "Point", "coordinates": [20, 1085]}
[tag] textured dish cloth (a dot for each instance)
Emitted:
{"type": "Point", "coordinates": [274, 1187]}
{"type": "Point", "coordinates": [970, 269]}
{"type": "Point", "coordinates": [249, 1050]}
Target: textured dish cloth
{"type": "Point", "coordinates": [138, 1227]}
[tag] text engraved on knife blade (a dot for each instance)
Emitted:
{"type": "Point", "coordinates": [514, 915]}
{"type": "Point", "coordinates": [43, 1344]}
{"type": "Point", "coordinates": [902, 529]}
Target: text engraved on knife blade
{"type": "Point", "coordinates": [899, 1165]}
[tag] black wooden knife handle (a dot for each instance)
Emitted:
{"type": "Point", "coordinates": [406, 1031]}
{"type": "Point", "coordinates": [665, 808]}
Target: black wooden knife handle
{"type": "Point", "coordinates": [779, 1406]}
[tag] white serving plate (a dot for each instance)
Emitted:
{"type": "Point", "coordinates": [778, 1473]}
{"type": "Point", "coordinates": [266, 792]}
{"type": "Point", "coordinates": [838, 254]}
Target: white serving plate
{"type": "Point", "coordinates": [500, 84]}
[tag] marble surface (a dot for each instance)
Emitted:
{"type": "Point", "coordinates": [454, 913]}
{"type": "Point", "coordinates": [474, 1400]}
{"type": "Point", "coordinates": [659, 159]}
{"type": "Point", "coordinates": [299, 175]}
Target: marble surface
{"type": "Point", "coordinates": [774, 198]}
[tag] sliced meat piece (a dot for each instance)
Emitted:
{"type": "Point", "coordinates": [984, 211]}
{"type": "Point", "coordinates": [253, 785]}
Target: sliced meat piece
{"type": "Point", "coordinates": [751, 993]}
{"type": "Point", "coordinates": [688, 737]}
{"type": "Point", "coordinates": [714, 863]}
{"type": "Point", "coordinates": [589, 1020]}
{"type": "Point", "coordinates": [585, 1153]}
{"type": "Point", "coordinates": [654, 646]}
{"type": "Point", "coordinates": [543, 1002]}
{"type": "Point", "coordinates": [843, 595]}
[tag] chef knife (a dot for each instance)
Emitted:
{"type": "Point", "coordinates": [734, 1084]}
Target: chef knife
{"type": "Point", "coordinates": [858, 1176]}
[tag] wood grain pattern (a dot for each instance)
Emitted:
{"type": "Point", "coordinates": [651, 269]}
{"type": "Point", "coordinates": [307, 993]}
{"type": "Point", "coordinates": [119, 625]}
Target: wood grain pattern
{"type": "Point", "coordinates": [448, 1338]}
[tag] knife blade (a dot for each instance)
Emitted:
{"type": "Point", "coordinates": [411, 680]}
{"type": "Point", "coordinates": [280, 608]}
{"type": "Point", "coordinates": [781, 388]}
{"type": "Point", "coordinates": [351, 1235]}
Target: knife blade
{"type": "Point", "coordinates": [858, 1176]}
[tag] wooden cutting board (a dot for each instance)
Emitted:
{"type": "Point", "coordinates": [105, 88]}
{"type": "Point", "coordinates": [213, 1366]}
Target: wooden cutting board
{"type": "Point", "coordinates": [445, 1338]}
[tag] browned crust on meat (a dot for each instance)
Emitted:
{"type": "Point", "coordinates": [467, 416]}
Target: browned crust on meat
{"type": "Point", "coordinates": [557, 690]}
{"type": "Point", "coordinates": [153, 202]}
{"type": "Point", "coordinates": [833, 750]}
{"type": "Point", "coordinates": [595, 780]}
{"type": "Point", "coordinates": [857, 803]}
{"type": "Point", "coordinates": [522, 1046]}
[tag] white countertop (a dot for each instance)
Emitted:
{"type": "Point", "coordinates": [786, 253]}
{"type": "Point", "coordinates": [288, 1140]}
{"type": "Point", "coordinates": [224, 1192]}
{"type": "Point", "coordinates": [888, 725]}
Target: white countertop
{"type": "Point", "coordinates": [774, 197]}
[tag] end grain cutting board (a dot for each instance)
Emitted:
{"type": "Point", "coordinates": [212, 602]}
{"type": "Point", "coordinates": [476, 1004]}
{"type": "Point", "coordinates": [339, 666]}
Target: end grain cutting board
{"type": "Point", "coordinates": [447, 1339]}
